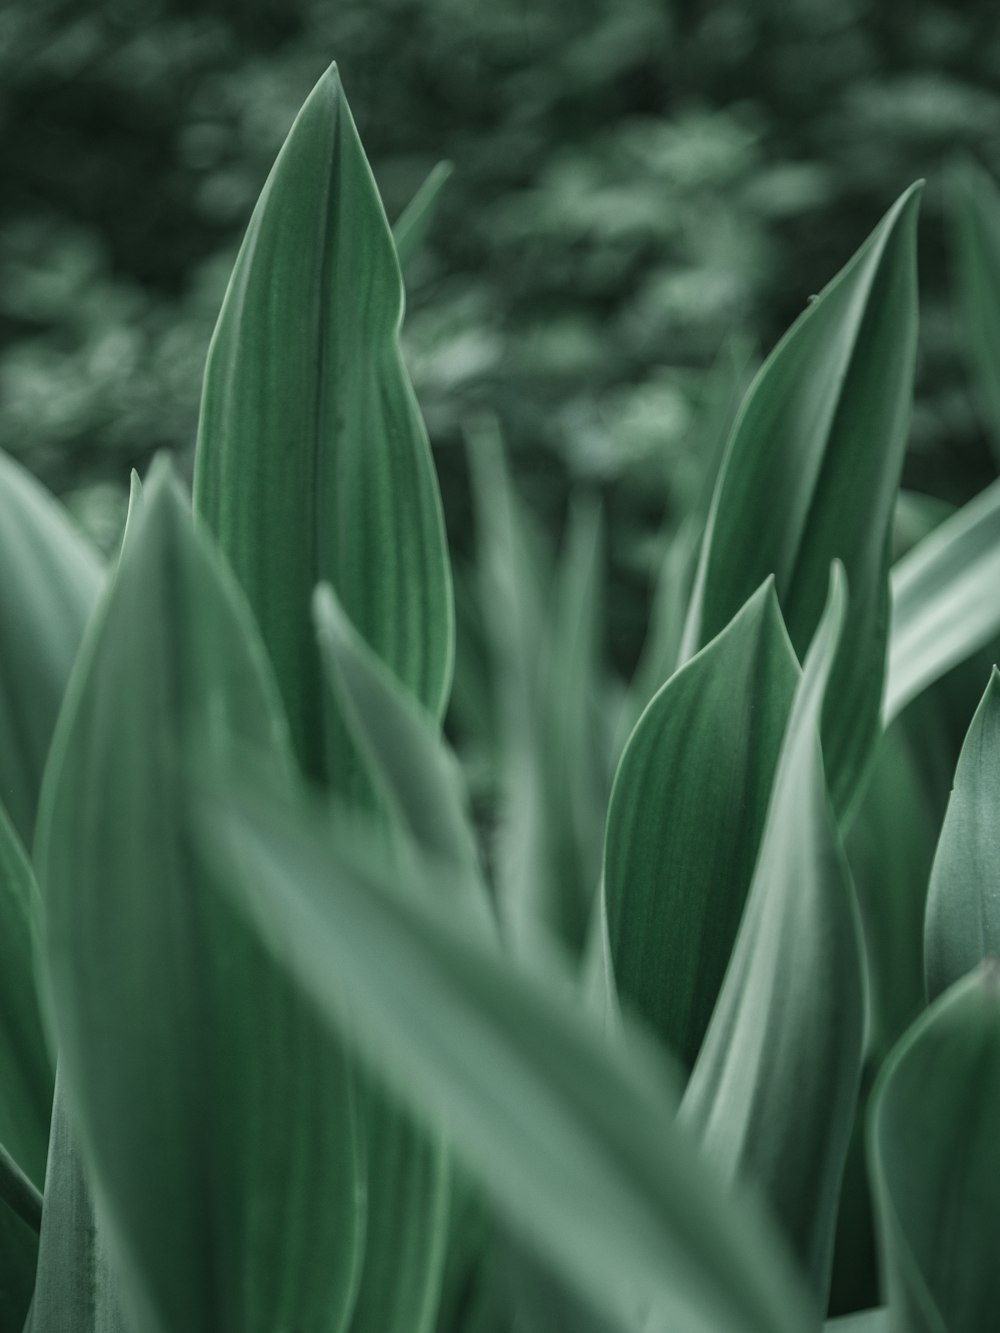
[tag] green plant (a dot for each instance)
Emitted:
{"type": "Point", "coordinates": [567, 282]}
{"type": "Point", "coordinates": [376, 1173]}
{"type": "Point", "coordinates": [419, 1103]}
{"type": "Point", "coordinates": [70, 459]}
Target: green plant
{"type": "Point", "coordinates": [310, 1066]}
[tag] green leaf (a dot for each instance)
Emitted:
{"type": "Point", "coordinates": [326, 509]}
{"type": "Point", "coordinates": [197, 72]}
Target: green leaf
{"type": "Point", "coordinates": [773, 1091]}
{"type": "Point", "coordinates": [312, 461]}
{"type": "Point", "coordinates": [685, 821]}
{"type": "Point", "coordinates": [935, 1159]}
{"type": "Point", "coordinates": [19, 1250]}
{"type": "Point", "coordinates": [26, 1083]}
{"type": "Point", "coordinates": [217, 1118]}
{"type": "Point", "coordinates": [50, 585]}
{"type": "Point", "coordinates": [414, 223]}
{"type": "Point", "coordinates": [572, 1136]}
{"type": "Point", "coordinates": [77, 1286]}
{"type": "Point", "coordinates": [963, 914]}
{"type": "Point", "coordinates": [975, 207]}
{"type": "Point", "coordinates": [944, 605]}
{"type": "Point", "coordinates": [865, 1321]}
{"type": "Point", "coordinates": [811, 474]}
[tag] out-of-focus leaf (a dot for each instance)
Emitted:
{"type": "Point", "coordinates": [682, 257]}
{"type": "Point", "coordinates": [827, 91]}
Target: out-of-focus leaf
{"type": "Point", "coordinates": [217, 1117]}
{"type": "Point", "coordinates": [935, 1158]}
{"type": "Point", "coordinates": [975, 207]}
{"type": "Point", "coordinates": [963, 912]}
{"type": "Point", "coordinates": [51, 580]}
{"type": "Point", "coordinates": [18, 1253]}
{"type": "Point", "coordinates": [411, 227]}
{"type": "Point", "coordinates": [77, 1284]}
{"type": "Point", "coordinates": [544, 632]}
{"type": "Point", "coordinates": [811, 474]}
{"type": "Point", "coordinates": [944, 602]}
{"type": "Point", "coordinates": [685, 821]}
{"type": "Point", "coordinates": [866, 1321]}
{"type": "Point", "coordinates": [774, 1088]}
{"type": "Point", "coordinates": [312, 461]}
{"type": "Point", "coordinates": [573, 1137]}
{"type": "Point", "coordinates": [18, 1193]}
{"type": "Point", "coordinates": [26, 1078]}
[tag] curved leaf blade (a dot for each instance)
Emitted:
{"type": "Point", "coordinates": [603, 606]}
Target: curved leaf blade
{"type": "Point", "coordinates": [811, 475]}
{"type": "Point", "coordinates": [233, 1199]}
{"type": "Point", "coordinates": [685, 820]}
{"type": "Point", "coordinates": [935, 1159]}
{"type": "Point", "coordinates": [962, 925]}
{"type": "Point", "coordinates": [774, 1089]}
{"type": "Point", "coordinates": [313, 462]}
{"type": "Point", "coordinates": [975, 209]}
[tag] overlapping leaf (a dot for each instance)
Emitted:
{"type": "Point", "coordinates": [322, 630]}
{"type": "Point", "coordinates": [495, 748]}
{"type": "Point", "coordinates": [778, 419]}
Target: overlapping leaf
{"type": "Point", "coordinates": [312, 460]}
{"type": "Point", "coordinates": [811, 474]}
{"type": "Point", "coordinates": [773, 1091]}
{"type": "Point", "coordinates": [411, 227]}
{"type": "Point", "coordinates": [217, 1119]}
{"type": "Point", "coordinates": [572, 1136]}
{"type": "Point", "coordinates": [685, 820]}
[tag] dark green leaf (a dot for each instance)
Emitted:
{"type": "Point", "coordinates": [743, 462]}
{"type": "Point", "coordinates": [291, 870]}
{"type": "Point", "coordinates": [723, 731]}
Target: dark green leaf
{"type": "Point", "coordinates": [811, 474]}
{"type": "Point", "coordinates": [686, 816]}
{"type": "Point", "coordinates": [774, 1088]}
{"type": "Point", "coordinates": [216, 1116]}
{"type": "Point", "coordinates": [975, 206]}
{"type": "Point", "coordinates": [935, 1159]}
{"type": "Point", "coordinates": [312, 461]}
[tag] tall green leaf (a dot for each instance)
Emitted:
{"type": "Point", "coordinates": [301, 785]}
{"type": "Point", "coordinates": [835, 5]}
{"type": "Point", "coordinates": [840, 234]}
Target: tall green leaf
{"type": "Point", "coordinates": [975, 206]}
{"type": "Point", "coordinates": [216, 1118]}
{"type": "Point", "coordinates": [811, 474]}
{"type": "Point", "coordinates": [963, 914]}
{"type": "Point", "coordinates": [312, 461]}
{"type": "Point", "coordinates": [685, 821]}
{"type": "Point", "coordinates": [944, 603]}
{"type": "Point", "coordinates": [572, 1136]}
{"type": "Point", "coordinates": [412, 226]}
{"type": "Point", "coordinates": [775, 1085]}
{"type": "Point", "coordinates": [935, 1157]}
{"type": "Point", "coordinates": [51, 580]}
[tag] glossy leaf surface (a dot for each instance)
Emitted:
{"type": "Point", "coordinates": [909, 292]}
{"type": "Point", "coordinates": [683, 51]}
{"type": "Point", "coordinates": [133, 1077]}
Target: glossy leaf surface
{"type": "Point", "coordinates": [213, 1112]}
{"type": "Point", "coordinates": [685, 821]}
{"type": "Point", "coordinates": [811, 474]}
{"type": "Point", "coordinates": [773, 1092]}
{"type": "Point", "coordinates": [312, 462]}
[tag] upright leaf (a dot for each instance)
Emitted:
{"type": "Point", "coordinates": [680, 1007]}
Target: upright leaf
{"type": "Point", "coordinates": [215, 1117]}
{"type": "Point", "coordinates": [975, 205]}
{"type": "Point", "coordinates": [51, 580]}
{"type": "Point", "coordinates": [572, 1136]}
{"type": "Point", "coordinates": [963, 911]}
{"type": "Point", "coordinates": [411, 227]}
{"type": "Point", "coordinates": [811, 474]}
{"type": "Point", "coordinates": [312, 460]}
{"type": "Point", "coordinates": [685, 820]}
{"type": "Point", "coordinates": [935, 1157]}
{"type": "Point", "coordinates": [774, 1088]}
{"type": "Point", "coordinates": [944, 603]}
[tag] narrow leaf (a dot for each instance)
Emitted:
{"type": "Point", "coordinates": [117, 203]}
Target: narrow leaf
{"type": "Point", "coordinates": [811, 474]}
{"type": "Point", "coordinates": [975, 208]}
{"type": "Point", "coordinates": [414, 223]}
{"type": "Point", "coordinates": [572, 1136]}
{"type": "Point", "coordinates": [774, 1088]}
{"type": "Point", "coordinates": [216, 1117]}
{"type": "Point", "coordinates": [963, 911]}
{"type": "Point", "coordinates": [312, 461]}
{"type": "Point", "coordinates": [944, 603]}
{"type": "Point", "coordinates": [685, 821]}
{"type": "Point", "coordinates": [935, 1159]}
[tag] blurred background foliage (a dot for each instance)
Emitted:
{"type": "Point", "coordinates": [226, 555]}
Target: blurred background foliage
{"type": "Point", "coordinates": [645, 195]}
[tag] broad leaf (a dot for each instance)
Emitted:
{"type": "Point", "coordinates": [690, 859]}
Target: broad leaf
{"type": "Point", "coordinates": [685, 820]}
{"type": "Point", "coordinates": [944, 603]}
{"type": "Point", "coordinates": [572, 1136]}
{"type": "Point", "coordinates": [215, 1115]}
{"type": "Point", "coordinates": [935, 1158]}
{"type": "Point", "coordinates": [773, 1091]}
{"type": "Point", "coordinates": [51, 580]}
{"type": "Point", "coordinates": [975, 206]}
{"type": "Point", "coordinates": [963, 913]}
{"type": "Point", "coordinates": [811, 474]}
{"type": "Point", "coordinates": [312, 462]}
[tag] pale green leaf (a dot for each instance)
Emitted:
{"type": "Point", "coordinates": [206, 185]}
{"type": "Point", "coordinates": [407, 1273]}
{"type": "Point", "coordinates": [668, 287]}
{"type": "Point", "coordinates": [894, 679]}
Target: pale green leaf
{"type": "Point", "coordinates": [685, 820]}
{"type": "Point", "coordinates": [865, 1321]}
{"type": "Point", "coordinates": [412, 226]}
{"type": "Point", "coordinates": [811, 474]}
{"type": "Point", "coordinates": [216, 1117]}
{"type": "Point", "coordinates": [312, 461]}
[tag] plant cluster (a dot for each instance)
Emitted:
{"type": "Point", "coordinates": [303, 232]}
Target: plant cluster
{"type": "Point", "coordinates": [673, 1042]}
